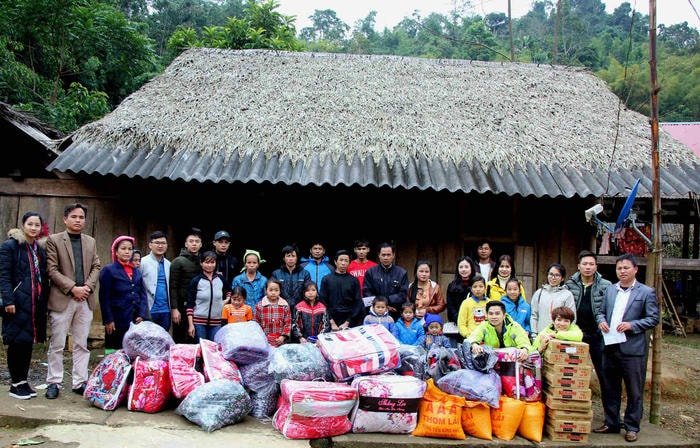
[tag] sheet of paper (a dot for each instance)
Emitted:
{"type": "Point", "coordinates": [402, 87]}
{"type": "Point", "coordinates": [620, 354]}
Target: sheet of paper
{"type": "Point", "coordinates": [614, 337]}
{"type": "Point", "coordinates": [368, 300]}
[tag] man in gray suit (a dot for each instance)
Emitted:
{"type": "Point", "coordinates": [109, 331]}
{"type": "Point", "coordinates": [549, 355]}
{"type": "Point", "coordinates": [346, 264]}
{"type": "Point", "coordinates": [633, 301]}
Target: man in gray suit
{"type": "Point", "coordinates": [74, 268]}
{"type": "Point", "coordinates": [628, 310]}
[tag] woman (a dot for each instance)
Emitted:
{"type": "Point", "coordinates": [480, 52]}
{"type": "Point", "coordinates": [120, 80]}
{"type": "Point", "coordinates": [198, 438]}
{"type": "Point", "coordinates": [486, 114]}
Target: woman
{"type": "Point", "coordinates": [551, 295]}
{"type": "Point", "coordinates": [206, 296]}
{"type": "Point", "coordinates": [24, 290]}
{"type": "Point", "coordinates": [505, 270]}
{"type": "Point", "coordinates": [122, 294]}
{"type": "Point", "coordinates": [425, 293]}
{"type": "Point", "coordinates": [460, 286]}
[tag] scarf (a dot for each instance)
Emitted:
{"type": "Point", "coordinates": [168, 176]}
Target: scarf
{"type": "Point", "coordinates": [34, 261]}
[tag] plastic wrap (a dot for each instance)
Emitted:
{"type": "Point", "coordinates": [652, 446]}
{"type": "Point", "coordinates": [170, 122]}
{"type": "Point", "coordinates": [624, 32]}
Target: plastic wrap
{"type": "Point", "coordinates": [147, 340]}
{"type": "Point", "coordinates": [387, 403]}
{"type": "Point", "coordinates": [472, 385]}
{"type": "Point", "coordinates": [185, 363]}
{"type": "Point", "coordinates": [216, 367]}
{"type": "Point", "coordinates": [107, 386]}
{"type": "Point", "coordinates": [150, 390]}
{"type": "Point", "coordinates": [302, 362]}
{"type": "Point", "coordinates": [413, 361]}
{"type": "Point", "coordinates": [216, 404]}
{"type": "Point", "coordinates": [243, 343]}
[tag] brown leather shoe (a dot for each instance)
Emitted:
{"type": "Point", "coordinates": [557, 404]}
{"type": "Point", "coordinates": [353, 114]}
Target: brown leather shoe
{"type": "Point", "coordinates": [605, 429]}
{"type": "Point", "coordinates": [631, 436]}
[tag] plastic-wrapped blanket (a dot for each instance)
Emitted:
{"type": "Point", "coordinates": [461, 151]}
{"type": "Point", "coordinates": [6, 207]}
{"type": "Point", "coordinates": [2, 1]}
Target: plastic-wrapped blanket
{"type": "Point", "coordinates": [243, 343]}
{"type": "Point", "coordinates": [413, 361]}
{"type": "Point", "coordinates": [472, 385]}
{"type": "Point", "coordinates": [147, 340]}
{"type": "Point", "coordinates": [367, 349]}
{"type": "Point", "coordinates": [107, 385]}
{"type": "Point", "coordinates": [387, 403]}
{"type": "Point", "coordinates": [216, 367]}
{"type": "Point", "coordinates": [150, 390]}
{"type": "Point", "coordinates": [261, 386]}
{"type": "Point", "coordinates": [301, 362]}
{"type": "Point", "coordinates": [216, 404]}
{"type": "Point", "coordinates": [185, 364]}
{"type": "Point", "coordinates": [314, 409]}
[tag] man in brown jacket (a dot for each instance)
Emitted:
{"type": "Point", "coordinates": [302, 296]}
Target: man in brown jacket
{"type": "Point", "coordinates": [73, 267]}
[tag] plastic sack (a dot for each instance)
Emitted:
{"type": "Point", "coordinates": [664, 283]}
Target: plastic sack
{"type": "Point", "coordinates": [472, 385]}
{"type": "Point", "coordinates": [532, 422]}
{"type": "Point", "coordinates": [505, 419]}
{"type": "Point", "coordinates": [216, 404]}
{"type": "Point", "coordinates": [413, 361]}
{"type": "Point", "coordinates": [107, 386]}
{"type": "Point", "coordinates": [150, 390]}
{"type": "Point", "coordinates": [243, 343]}
{"type": "Point", "coordinates": [147, 340]}
{"type": "Point", "coordinates": [301, 362]}
{"type": "Point", "coordinates": [185, 364]}
{"type": "Point", "coordinates": [216, 367]}
{"type": "Point", "coordinates": [476, 420]}
{"type": "Point", "coordinates": [440, 414]}
{"type": "Point", "coordinates": [483, 362]}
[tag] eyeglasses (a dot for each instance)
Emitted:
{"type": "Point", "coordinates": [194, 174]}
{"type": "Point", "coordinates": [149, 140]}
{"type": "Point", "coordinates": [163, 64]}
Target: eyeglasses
{"type": "Point", "coordinates": [554, 274]}
{"type": "Point", "coordinates": [159, 243]}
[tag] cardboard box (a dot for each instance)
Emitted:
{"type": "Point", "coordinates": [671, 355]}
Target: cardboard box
{"type": "Point", "coordinates": [554, 380]}
{"type": "Point", "coordinates": [557, 436]}
{"type": "Point", "coordinates": [563, 425]}
{"type": "Point", "coordinates": [566, 370]}
{"type": "Point", "coordinates": [565, 414]}
{"type": "Point", "coordinates": [568, 347]}
{"type": "Point", "coordinates": [571, 405]}
{"type": "Point", "coordinates": [560, 393]}
{"type": "Point", "coordinates": [565, 358]}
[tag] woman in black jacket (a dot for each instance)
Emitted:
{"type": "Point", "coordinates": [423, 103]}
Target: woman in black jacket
{"type": "Point", "coordinates": [24, 291]}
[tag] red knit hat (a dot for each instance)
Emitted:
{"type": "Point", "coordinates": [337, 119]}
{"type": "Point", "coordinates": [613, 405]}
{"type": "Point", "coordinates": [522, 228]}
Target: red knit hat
{"type": "Point", "coordinates": [119, 240]}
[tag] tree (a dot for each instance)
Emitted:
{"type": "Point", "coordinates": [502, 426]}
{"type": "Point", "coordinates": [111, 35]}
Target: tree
{"type": "Point", "coordinates": [327, 25]}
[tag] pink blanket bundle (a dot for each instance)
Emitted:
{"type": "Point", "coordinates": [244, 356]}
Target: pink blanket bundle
{"type": "Point", "coordinates": [184, 373]}
{"type": "Point", "coordinates": [216, 367]}
{"type": "Point", "coordinates": [150, 390]}
{"type": "Point", "coordinates": [367, 349]}
{"type": "Point", "coordinates": [314, 409]}
{"type": "Point", "coordinates": [387, 403]}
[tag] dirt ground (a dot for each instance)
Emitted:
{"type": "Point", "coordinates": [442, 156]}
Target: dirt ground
{"type": "Point", "coordinates": [680, 383]}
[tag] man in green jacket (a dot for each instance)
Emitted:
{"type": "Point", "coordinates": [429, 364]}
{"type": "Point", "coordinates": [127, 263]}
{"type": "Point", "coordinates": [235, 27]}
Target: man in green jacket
{"type": "Point", "coordinates": [499, 331]}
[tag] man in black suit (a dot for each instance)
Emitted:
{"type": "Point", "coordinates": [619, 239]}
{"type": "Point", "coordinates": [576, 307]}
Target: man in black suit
{"type": "Point", "coordinates": [628, 310]}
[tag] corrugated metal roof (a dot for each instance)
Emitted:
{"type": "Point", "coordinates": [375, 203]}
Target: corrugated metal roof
{"type": "Point", "coordinates": [313, 119]}
{"type": "Point", "coordinates": [423, 174]}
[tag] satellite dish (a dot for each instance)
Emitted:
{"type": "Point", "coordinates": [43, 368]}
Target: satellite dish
{"type": "Point", "coordinates": [625, 212]}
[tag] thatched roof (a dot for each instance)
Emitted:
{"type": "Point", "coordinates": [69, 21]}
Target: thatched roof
{"type": "Point", "coordinates": [314, 119]}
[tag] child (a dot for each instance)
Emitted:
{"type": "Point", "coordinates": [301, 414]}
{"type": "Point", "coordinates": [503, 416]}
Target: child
{"type": "Point", "coordinates": [499, 331]}
{"type": "Point", "coordinates": [409, 329]}
{"type": "Point", "coordinates": [472, 311]}
{"type": "Point", "coordinates": [433, 336]}
{"type": "Point", "coordinates": [206, 295]}
{"type": "Point", "coordinates": [237, 310]}
{"type": "Point", "coordinates": [379, 313]}
{"type": "Point", "coordinates": [562, 327]}
{"type": "Point", "coordinates": [516, 305]}
{"type": "Point", "coordinates": [273, 314]}
{"type": "Point", "coordinates": [310, 315]}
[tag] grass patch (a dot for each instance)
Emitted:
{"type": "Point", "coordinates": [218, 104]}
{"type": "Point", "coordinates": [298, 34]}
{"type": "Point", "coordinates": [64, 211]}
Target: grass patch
{"type": "Point", "coordinates": [691, 341]}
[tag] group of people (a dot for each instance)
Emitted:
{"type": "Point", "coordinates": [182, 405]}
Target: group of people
{"type": "Point", "coordinates": [199, 291]}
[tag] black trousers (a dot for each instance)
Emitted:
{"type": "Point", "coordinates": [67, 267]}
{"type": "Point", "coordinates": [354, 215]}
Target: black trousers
{"type": "Point", "coordinates": [619, 368]}
{"type": "Point", "coordinates": [594, 339]}
{"type": "Point", "coordinates": [19, 355]}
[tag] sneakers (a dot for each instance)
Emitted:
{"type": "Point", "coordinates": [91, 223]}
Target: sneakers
{"type": "Point", "coordinates": [20, 391]}
{"type": "Point", "coordinates": [29, 389]}
{"type": "Point", "coordinates": [52, 391]}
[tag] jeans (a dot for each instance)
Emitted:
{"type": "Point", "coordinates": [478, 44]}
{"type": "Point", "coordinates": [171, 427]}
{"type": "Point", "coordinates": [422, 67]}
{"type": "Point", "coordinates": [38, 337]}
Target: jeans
{"type": "Point", "coordinates": [205, 332]}
{"type": "Point", "coordinates": [162, 319]}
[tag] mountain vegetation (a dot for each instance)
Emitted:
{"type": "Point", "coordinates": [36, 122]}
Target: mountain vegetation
{"type": "Point", "coordinates": [69, 62]}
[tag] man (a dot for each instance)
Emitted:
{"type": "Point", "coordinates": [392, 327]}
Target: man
{"type": "Point", "coordinates": [588, 288]}
{"type": "Point", "coordinates": [317, 264]}
{"type": "Point", "coordinates": [155, 269]}
{"type": "Point", "coordinates": [292, 276]}
{"type": "Point", "coordinates": [182, 270]}
{"type": "Point", "coordinates": [358, 267]}
{"type": "Point", "coordinates": [484, 260]}
{"type": "Point", "coordinates": [388, 280]}
{"type": "Point", "coordinates": [341, 294]}
{"type": "Point", "coordinates": [628, 310]}
{"type": "Point", "coordinates": [226, 264]}
{"type": "Point", "coordinates": [73, 268]}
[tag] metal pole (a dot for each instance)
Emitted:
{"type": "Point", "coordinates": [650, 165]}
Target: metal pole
{"type": "Point", "coordinates": [654, 275]}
